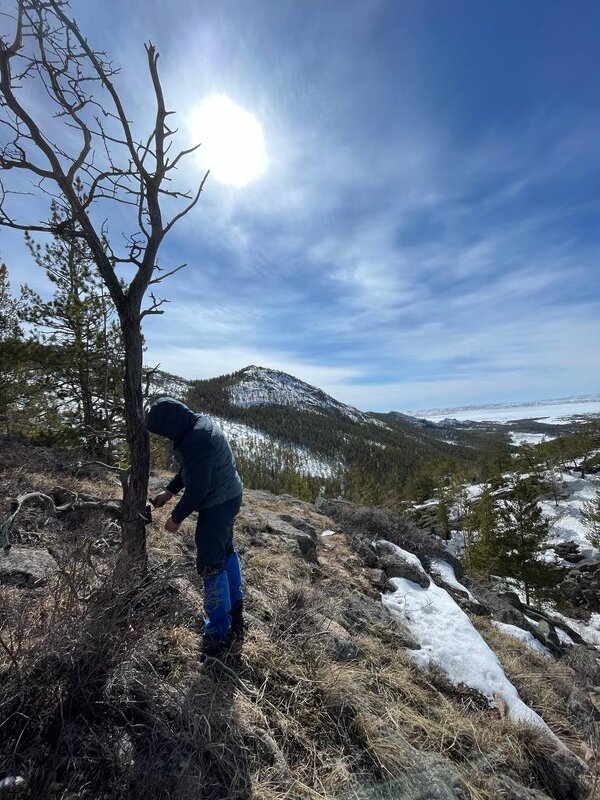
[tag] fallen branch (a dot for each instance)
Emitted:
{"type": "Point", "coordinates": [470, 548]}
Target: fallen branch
{"type": "Point", "coordinates": [60, 502]}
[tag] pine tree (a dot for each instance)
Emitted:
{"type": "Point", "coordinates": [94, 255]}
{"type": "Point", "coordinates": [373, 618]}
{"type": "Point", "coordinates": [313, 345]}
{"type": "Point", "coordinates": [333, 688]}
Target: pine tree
{"type": "Point", "coordinates": [79, 332]}
{"type": "Point", "coordinates": [522, 532]}
{"type": "Point", "coordinates": [20, 382]}
{"type": "Point", "coordinates": [591, 515]}
{"type": "Point", "coordinates": [482, 548]}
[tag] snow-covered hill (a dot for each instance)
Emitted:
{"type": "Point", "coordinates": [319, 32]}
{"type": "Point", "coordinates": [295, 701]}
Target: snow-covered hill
{"type": "Point", "coordinates": [258, 386]}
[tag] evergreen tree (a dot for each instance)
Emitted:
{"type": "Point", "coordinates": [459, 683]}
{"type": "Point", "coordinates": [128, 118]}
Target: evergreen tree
{"type": "Point", "coordinates": [522, 532]}
{"type": "Point", "coordinates": [591, 515]}
{"type": "Point", "coordinates": [482, 548]}
{"type": "Point", "coordinates": [21, 383]}
{"type": "Point", "coordinates": [81, 338]}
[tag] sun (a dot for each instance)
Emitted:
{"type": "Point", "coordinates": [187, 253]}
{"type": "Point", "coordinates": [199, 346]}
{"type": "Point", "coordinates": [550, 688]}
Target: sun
{"type": "Point", "coordinates": [233, 144]}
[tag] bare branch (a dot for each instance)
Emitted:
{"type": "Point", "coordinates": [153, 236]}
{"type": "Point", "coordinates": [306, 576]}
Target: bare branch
{"type": "Point", "coordinates": [189, 207]}
{"type": "Point", "coordinates": [166, 275]}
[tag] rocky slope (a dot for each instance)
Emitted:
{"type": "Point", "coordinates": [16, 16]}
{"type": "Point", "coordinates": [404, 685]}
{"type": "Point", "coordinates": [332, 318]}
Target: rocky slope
{"type": "Point", "coordinates": [334, 693]}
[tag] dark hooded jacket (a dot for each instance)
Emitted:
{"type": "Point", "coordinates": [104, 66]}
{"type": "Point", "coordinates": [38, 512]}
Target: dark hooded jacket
{"type": "Point", "coordinates": [207, 466]}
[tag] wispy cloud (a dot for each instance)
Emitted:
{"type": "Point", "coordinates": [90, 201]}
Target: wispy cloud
{"type": "Point", "coordinates": [426, 233]}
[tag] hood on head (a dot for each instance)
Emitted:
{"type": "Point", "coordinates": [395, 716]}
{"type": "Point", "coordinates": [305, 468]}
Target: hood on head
{"type": "Point", "coordinates": [171, 418]}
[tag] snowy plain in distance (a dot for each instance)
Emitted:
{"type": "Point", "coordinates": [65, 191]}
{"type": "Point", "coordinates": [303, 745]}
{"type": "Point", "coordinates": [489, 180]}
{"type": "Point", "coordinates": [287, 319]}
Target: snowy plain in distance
{"type": "Point", "coordinates": [550, 413]}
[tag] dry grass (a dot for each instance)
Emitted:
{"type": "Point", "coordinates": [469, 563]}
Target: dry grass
{"type": "Point", "coordinates": [103, 694]}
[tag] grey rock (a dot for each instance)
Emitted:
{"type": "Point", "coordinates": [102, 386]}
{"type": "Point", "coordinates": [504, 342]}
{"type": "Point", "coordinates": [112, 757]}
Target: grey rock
{"type": "Point", "coordinates": [569, 551]}
{"type": "Point", "coordinates": [301, 524]}
{"type": "Point", "coordinates": [586, 663]}
{"type": "Point", "coordinates": [512, 598]}
{"type": "Point", "coordinates": [427, 776]}
{"type": "Point", "coordinates": [290, 534]}
{"type": "Point", "coordinates": [589, 564]}
{"type": "Point", "coordinates": [561, 773]}
{"type": "Point", "coordinates": [503, 787]}
{"type": "Point", "coordinates": [308, 547]}
{"type": "Point", "coordinates": [395, 566]}
{"type": "Point", "coordinates": [511, 616]}
{"type": "Point", "coordinates": [27, 566]}
{"type": "Point", "coordinates": [360, 614]}
{"type": "Point", "coordinates": [377, 577]}
{"type": "Point", "coordinates": [365, 552]}
{"type": "Point", "coordinates": [548, 631]}
{"type": "Point", "coordinates": [332, 639]}
{"type": "Point", "coordinates": [583, 713]}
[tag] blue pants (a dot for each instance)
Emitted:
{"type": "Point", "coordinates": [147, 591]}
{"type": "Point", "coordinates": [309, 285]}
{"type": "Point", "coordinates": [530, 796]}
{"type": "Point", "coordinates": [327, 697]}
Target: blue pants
{"type": "Point", "coordinates": [218, 563]}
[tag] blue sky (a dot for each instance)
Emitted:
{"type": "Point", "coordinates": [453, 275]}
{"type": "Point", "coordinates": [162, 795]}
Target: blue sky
{"type": "Point", "coordinates": [427, 231]}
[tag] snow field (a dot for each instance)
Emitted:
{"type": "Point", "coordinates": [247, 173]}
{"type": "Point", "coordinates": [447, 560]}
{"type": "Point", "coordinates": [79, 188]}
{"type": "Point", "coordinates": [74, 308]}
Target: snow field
{"type": "Point", "coordinates": [589, 632]}
{"type": "Point", "coordinates": [529, 438]}
{"type": "Point", "coordinates": [566, 523]}
{"type": "Point", "coordinates": [448, 638]}
{"type": "Point", "coordinates": [552, 413]}
{"type": "Point", "coordinates": [523, 636]}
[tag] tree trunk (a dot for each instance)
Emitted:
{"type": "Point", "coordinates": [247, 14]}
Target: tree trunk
{"type": "Point", "coordinates": [134, 500]}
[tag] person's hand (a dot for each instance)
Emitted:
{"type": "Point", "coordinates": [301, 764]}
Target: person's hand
{"type": "Point", "coordinates": [162, 499]}
{"type": "Point", "coordinates": [171, 525]}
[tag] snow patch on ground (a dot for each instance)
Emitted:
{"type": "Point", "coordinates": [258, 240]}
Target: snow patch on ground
{"type": "Point", "coordinates": [524, 636]}
{"type": "Point", "coordinates": [456, 544]}
{"type": "Point", "coordinates": [448, 638]}
{"type": "Point", "coordinates": [589, 632]}
{"type": "Point", "coordinates": [518, 438]}
{"type": "Point", "coordinates": [566, 522]}
{"type": "Point", "coordinates": [563, 636]}
{"type": "Point", "coordinates": [447, 574]}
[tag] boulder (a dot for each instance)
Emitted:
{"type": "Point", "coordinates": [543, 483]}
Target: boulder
{"type": "Point", "coordinates": [548, 632]}
{"type": "Point", "coordinates": [569, 551]}
{"type": "Point", "coordinates": [291, 534]}
{"type": "Point", "coordinates": [427, 776]}
{"type": "Point", "coordinates": [301, 524]}
{"type": "Point", "coordinates": [333, 639]}
{"type": "Point", "coordinates": [27, 566]}
{"type": "Point", "coordinates": [560, 773]}
{"type": "Point", "coordinates": [591, 564]}
{"type": "Point", "coordinates": [365, 552]}
{"type": "Point", "coordinates": [360, 614]}
{"type": "Point", "coordinates": [395, 566]}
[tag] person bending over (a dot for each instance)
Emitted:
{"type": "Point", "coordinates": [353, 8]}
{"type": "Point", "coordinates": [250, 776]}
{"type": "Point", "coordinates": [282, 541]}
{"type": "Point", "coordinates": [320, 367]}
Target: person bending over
{"type": "Point", "coordinates": [212, 487]}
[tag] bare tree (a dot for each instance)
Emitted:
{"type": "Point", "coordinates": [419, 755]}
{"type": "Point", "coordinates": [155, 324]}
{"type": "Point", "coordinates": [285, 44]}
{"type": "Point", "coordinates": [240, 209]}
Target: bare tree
{"type": "Point", "coordinates": [89, 140]}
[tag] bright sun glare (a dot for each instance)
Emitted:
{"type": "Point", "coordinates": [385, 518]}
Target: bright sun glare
{"type": "Point", "coordinates": [233, 145]}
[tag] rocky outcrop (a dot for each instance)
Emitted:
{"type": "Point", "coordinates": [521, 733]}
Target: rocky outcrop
{"type": "Point", "coordinates": [27, 566]}
{"type": "Point", "coordinates": [569, 551]}
{"type": "Point", "coordinates": [360, 614]}
{"type": "Point", "coordinates": [395, 566]}
{"type": "Point", "coordinates": [581, 586]}
{"type": "Point", "coordinates": [303, 539]}
{"type": "Point", "coordinates": [365, 524]}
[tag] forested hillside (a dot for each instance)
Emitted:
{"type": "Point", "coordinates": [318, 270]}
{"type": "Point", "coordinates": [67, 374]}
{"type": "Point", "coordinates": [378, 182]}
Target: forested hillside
{"type": "Point", "coordinates": [373, 458]}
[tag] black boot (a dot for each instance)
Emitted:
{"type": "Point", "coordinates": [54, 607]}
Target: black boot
{"type": "Point", "coordinates": [237, 620]}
